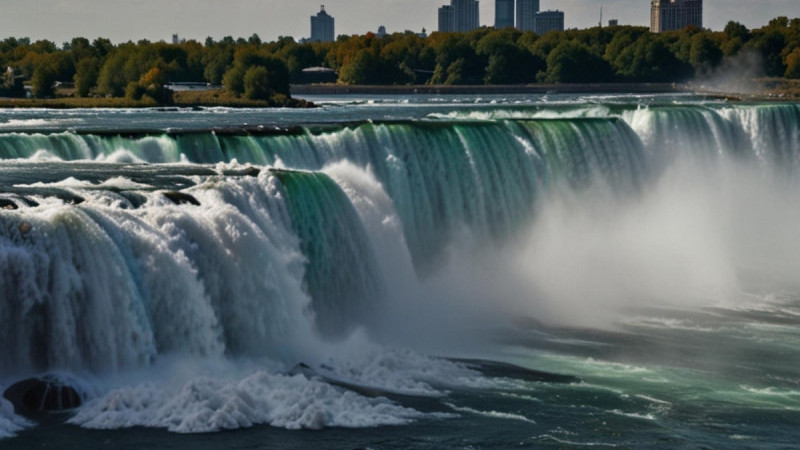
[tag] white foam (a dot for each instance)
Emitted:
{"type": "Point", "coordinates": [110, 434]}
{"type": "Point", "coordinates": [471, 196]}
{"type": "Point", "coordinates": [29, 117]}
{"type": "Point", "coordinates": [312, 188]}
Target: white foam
{"type": "Point", "coordinates": [493, 414]}
{"type": "Point", "coordinates": [120, 156]}
{"type": "Point", "coordinates": [20, 123]}
{"type": "Point", "coordinates": [633, 415]}
{"type": "Point", "coordinates": [574, 443]}
{"type": "Point", "coordinates": [402, 371]}
{"type": "Point", "coordinates": [10, 423]}
{"type": "Point", "coordinates": [74, 183]}
{"type": "Point", "coordinates": [210, 404]}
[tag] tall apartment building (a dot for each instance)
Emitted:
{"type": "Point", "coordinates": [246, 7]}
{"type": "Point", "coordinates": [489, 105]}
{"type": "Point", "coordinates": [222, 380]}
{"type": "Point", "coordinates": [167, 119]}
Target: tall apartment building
{"type": "Point", "coordinates": [668, 15]}
{"type": "Point", "coordinates": [549, 21]}
{"type": "Point", "coordinates": [322, 27]}
{"type": "Point", "coordinates": [446, 19]}
{"type": "Point", "coordinates": [526, 14]}
{"type": "Point", "coordinates": [503, 13]}
{"type": "Point", "coordinates": [459, 15]}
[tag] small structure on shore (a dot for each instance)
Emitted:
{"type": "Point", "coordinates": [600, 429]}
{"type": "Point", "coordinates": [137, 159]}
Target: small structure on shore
{"type": "Point", "coordinates": [317, 75]}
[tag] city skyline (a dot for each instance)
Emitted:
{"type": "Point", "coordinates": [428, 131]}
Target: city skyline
{"type": "Point", "coordinates": [60, 20]}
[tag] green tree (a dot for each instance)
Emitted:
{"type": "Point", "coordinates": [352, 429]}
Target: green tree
{"type": "Point", "coordinates": [44, 80]}
{"type": "Point", "coordinates": [278, 79]}
{"type": "Point", "coordinates": [736, 30]}
{"type": "Point", "coordinates": [793, 64]}
{"type": "Point", "coordinates": [364, 68]}
{"type": "Point", "coordinates": [572, 62]}
{"type": "Point", "coordinates": [87, 71]}
{"type": "Point", "coordinates": [112, 80]}
{"type": "Point", "coordinates": [704, 53]}
{"type": "Point", "coordinates": [508, 62]}
{"type": "Point", "coordinates": [256, 83]}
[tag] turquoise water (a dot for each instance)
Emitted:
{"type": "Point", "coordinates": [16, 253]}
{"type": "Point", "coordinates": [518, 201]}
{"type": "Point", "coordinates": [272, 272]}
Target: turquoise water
{"type": "Point", "coordinates": [176, 266]}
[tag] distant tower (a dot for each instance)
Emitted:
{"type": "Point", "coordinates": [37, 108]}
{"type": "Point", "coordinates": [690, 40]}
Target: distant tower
{"type": "Point", "coordinates": [175, 39]}
{"type": "Point", "coordinates": [669, 15]}
{"type": "Point", "coordinates": [613, 22]}
{"type": "Point", "coordinates": [381, 31]}
{"type": "Point", "coordinates": [526, 14]}
{"type": "Point", "coordinates": [503, 13]}
{"type": "Point", "coordinates": [446, 19]}
{"type": "Point", "coordinates": [549, 21]}
{"type": "Point", "coordinates": [600, 24]}
{"type": "Point", "coordinates": [322, 26]}
{"type": "Point", "coordinates": [459, 15]}
{"type": "Point", "coordinates": [466, 14]}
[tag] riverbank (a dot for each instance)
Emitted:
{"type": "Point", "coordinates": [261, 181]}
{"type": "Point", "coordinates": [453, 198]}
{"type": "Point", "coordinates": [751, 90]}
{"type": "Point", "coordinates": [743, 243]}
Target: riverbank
{"type": "Point", "coordinates": [181, 99]}
{"type": "Point", "coordinates": [583, 88]}
{"type": "Point", "coordinates": [754, 91]}
{"type": "Point", "coordinates": [768, 89]}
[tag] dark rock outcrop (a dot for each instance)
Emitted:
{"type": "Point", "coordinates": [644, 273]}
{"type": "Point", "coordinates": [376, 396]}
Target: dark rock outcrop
{"type": "Point", "coordinates": [45, 394]}
{"type": "Point", "coordinates": [179, 198]}
{"type": "Point", "coordinates": [7, 204]}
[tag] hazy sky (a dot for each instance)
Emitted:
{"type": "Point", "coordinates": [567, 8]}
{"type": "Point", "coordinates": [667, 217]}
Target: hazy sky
{"type": "Point", "coordinates": [122, 20]}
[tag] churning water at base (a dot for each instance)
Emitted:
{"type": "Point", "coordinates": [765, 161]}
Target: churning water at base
{"type": "Point", "coordinates": [200, 271]}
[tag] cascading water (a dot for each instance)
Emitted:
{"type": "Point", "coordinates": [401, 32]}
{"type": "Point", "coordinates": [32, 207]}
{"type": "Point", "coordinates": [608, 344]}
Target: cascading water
{"type": "Point", "coordinates": [124, 251]}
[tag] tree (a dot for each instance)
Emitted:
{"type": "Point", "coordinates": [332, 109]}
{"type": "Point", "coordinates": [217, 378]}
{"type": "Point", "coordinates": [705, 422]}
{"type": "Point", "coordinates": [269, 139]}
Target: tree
{"type": "Point", "coordinates": [508, 62]}
{"type": "Point", "coordinates": [87, 71]}
{"type": "Point", "coordinates": [152, 84]}
{"type": "Point", "coordinates": [44, 80]}
{"type": "Point", "coordinates": [736, 30]}
{"type": "Point", "coordinates": [770, 42]}
{"type": "Point", "coordinates": [793, 64]}
{"type": "Point", "coordinates": [256, 83]}
{"type": "Point", "coordinates": [704, 54]}
{"type": "Point", "coordinates": [364, 68]}
{"type": "Point", "coordinates": [278, 78]}
{"type": "Point", "coordinates": [572, 62]}
{"type": "Point", "coordinates": [112, 80]}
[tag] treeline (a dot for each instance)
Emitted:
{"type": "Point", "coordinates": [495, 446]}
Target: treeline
{"type": "Point", "coordinates": [250, 68]}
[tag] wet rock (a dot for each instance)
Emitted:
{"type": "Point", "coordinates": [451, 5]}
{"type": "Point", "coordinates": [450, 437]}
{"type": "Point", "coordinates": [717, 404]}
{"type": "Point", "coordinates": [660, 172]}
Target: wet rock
{"type": "Point", "coordinates": [32, 203]}
{"type": "Point", "coordinates": [7, 204]}
{"type": "Point", "coordinates": [45, 394]}
{"type": "Point", "coordinates": [496, 369]}
{"type": "Point", "coordinates": [25, 227]}
{"type": "Point", "coordinates": [180, 198]}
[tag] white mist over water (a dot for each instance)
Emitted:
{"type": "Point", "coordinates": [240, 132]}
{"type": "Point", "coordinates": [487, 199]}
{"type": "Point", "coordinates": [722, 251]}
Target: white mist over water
{"type": "Point", "coordinates": [697, 238]}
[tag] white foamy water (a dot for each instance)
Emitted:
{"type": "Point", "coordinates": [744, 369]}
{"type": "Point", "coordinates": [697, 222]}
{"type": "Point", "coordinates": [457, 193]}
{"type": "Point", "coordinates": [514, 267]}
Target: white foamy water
{"type": "Point", "coordinates": [10, 423]}
{"type": "Point", "coordinates": [210, 404]}
{"type": "Point", "coordinates": [492, 414]}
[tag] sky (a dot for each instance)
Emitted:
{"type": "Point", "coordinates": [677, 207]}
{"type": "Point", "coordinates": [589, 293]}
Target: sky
{"type": "Point", "coordinates": [123, 20]}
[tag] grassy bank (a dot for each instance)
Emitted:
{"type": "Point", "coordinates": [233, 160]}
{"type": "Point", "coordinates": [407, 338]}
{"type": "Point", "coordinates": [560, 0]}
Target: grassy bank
{"type": "Point", "coordinates": [767, 89]}
{"type": "Point", "coordinates": [182, 99]}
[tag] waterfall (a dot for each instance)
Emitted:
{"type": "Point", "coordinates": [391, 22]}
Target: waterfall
{"type": "Point", "coordinates": [207, 257]}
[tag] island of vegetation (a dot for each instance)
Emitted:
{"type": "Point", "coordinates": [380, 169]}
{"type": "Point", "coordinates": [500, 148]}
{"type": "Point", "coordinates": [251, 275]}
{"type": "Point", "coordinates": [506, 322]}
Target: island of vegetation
{"type": "Point", "coordinates": [250, 72]}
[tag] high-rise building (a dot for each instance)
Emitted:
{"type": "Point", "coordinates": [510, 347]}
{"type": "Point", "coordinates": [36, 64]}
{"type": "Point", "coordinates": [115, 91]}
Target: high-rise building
{"type": "Point", "coordinates": [668, 15]}
{"type": "Point", "coordinates": [459, 15]}
{"type": "Point", "coordinates": [446, 19]}
{"type": "Point", "coordinates": [466, 14]}
{"type": "Point", "coordinates": [322, 27]}
{"type": "Point", "coordinates": [549, 21]}
{"type": "Point", "coordinates": [526, 14]}
{"type": "Point", "coordinates": [503, 13]}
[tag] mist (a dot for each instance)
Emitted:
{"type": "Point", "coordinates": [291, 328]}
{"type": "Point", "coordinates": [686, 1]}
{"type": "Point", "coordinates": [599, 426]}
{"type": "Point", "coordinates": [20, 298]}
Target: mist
{"type": "Point", "coordinates": [736, 75]}
{"type": "Point", "coordinates": [698, 236]}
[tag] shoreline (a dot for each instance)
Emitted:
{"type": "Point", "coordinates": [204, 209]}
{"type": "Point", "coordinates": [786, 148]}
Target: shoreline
{"type": "Point", "coordinates": [425, 89]}
{"type": "Point", "coordinates": [770, 91]}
